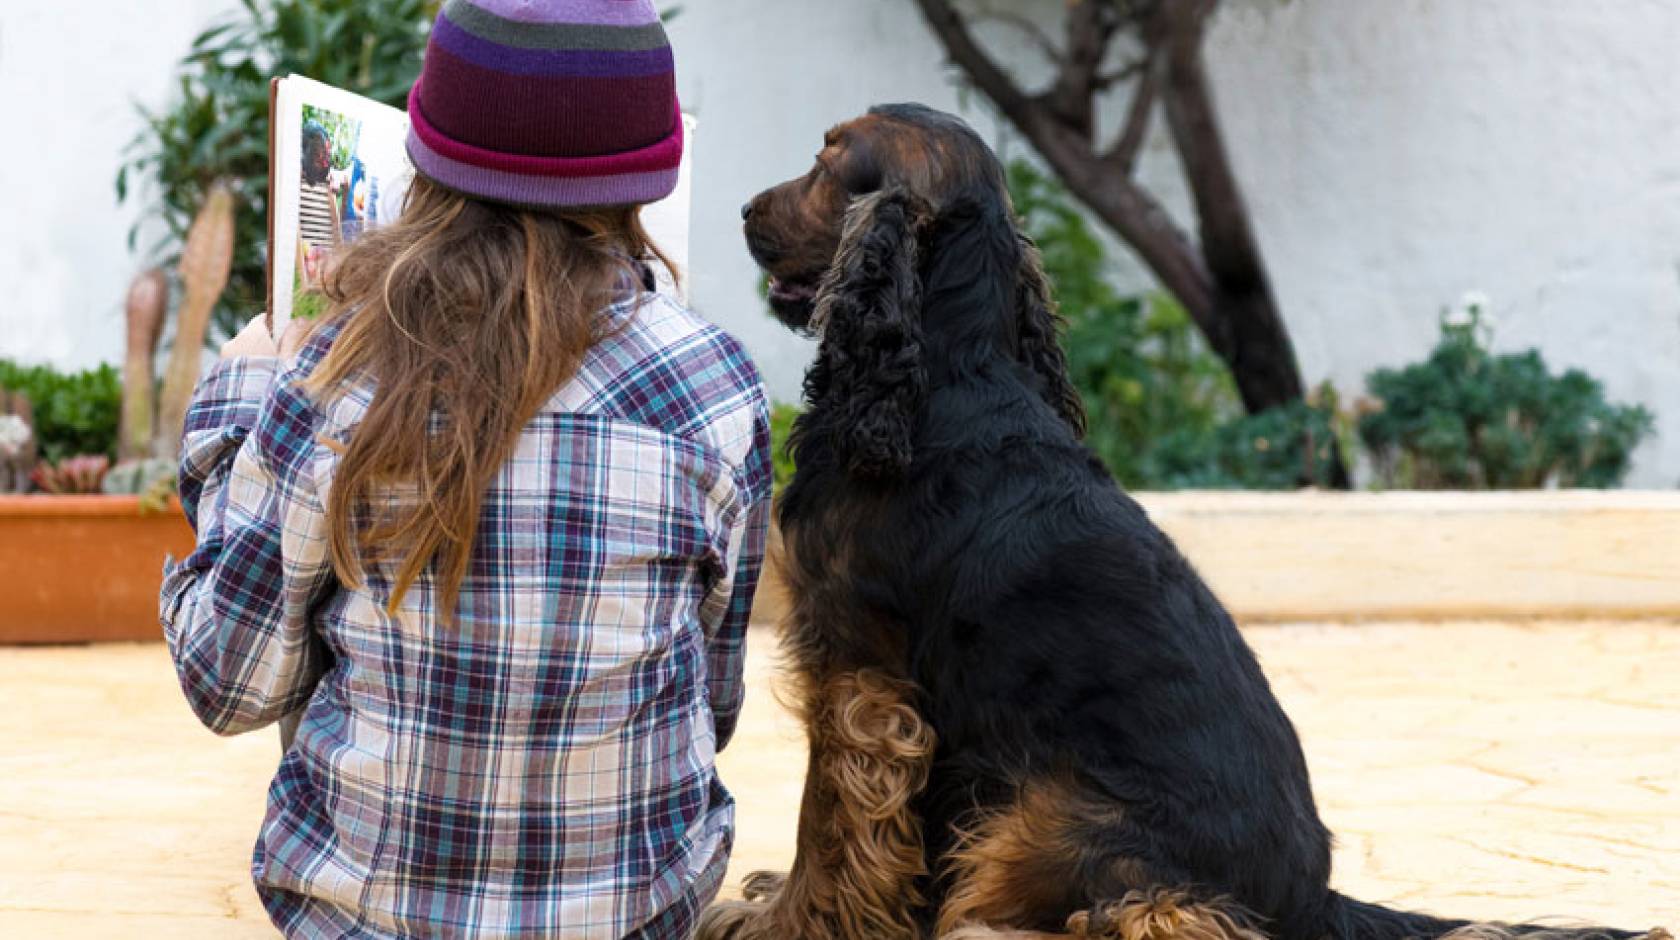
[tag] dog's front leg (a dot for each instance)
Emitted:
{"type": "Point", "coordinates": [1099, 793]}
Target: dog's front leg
{"type": "Point", "coordinates": [859, 851]}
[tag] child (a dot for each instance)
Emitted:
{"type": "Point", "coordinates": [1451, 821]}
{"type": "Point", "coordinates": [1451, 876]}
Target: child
{"type": "Point", "coordinates": [495, 530]}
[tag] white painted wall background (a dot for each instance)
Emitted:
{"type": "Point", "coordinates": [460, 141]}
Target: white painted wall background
{"type": "Point", "coordinates": [69, 76]}
{"type": "Point", "coordinates": [1396, 153]}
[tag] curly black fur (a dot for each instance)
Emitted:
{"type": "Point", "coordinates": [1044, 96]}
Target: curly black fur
{"type": "Point", "coordinates": [871, 380]}
{"type": "Point", "coordinates": [1040, 336]}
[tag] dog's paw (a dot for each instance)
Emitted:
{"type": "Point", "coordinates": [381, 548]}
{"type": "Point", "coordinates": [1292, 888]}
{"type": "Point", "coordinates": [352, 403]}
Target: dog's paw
{"type": "Point", "coordinates": [1091, 923]}
{"type": "Point", "coordinates": [729, 920]}
{"type": "Point", "coordinates": [763, 886]}
{"type": "Point", "coordinates": [1161, 914]}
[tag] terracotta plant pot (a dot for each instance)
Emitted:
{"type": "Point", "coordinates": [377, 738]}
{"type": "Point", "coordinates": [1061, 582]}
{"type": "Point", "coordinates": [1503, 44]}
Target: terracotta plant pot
{"type": "Point", "coordinates": [84, 569]}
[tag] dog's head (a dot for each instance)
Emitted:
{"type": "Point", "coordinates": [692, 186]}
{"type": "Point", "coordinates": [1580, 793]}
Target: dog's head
{"type": "Point", "coordinates": [847, 246]}
{"type": "Point", "coordinates": [794, 230]}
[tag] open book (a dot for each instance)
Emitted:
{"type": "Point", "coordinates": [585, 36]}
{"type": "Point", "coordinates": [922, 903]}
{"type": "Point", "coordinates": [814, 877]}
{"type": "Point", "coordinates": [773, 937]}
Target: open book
{"type": "Point", "coordinates": [337, 166]}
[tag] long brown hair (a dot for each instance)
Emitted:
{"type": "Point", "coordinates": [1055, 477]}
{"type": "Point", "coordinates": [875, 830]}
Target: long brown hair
{"type": "Point", "coordinates": [467, 316]}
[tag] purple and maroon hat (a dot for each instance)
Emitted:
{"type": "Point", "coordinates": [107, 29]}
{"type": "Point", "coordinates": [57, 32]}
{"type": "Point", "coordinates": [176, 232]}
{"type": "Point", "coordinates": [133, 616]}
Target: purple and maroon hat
{"type": "Point", "coordinates": [548, 103]}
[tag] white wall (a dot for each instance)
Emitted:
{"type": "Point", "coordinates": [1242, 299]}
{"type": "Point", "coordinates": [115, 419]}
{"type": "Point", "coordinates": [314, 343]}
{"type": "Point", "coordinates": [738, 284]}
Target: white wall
{"type": "Point", "coordinates": [1396, 153]}
{"type": "Point", "coordinates": [69, 76]}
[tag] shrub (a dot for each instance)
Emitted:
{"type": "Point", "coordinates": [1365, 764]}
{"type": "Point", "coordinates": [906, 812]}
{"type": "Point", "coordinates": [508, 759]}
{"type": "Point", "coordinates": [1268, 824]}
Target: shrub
{"type": "Point", "coordinates": [74, 412]}
{"type": "Point", "coordinates": [1276, 449]}
{"type": "Point", "coordinates": [1164, 412]}
{"type": "Point", "coordinates": [1467, 419]}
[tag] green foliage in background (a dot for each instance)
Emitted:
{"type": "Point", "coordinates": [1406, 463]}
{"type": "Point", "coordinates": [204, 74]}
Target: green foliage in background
{"type": "Point", "coordinates": [1164, 412]}
{"type": "Point", "coordinates": [217, 126]}
{"type": "Point", "coordinates": [1468, 419]}
{"type": "Point", "coordinates": [781, 427]}
{"type": "Point", "coordinates": [75, 412]}
{"type": "Point", "coordinates": [1277, 449]}
{"type": "Point", "coordinates": [1139, 363]}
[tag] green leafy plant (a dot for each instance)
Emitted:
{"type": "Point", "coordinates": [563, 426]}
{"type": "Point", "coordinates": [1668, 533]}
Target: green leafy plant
{"type": "Point", "coordinates": [1468, 419]}
{"type": "Point", "coordinates": [74, 412]}
{"type": "Point", "coordinates": [216, 129]}
{"type": "Point", "coordinates": [1276, 449]}
{"type": "Point", "coordinates": [1138, 362]}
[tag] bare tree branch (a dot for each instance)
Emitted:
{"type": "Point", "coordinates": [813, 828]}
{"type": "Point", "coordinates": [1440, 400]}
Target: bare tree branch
{"type": "Point", "coordinates": [1133, 213]}
{"type": "Point", "coordinates": [959, 43]}
{"type": "Point", "coordinates": [1124, 74]}
{"type": "Point", "coordinates": [1123, 155]}
{"type": "Point", "coordinates": [1228, 240]}
{"type": "Point", "coordinates": [1034, 34]}
{"type": "Point", "coordinates": [1090, 26]}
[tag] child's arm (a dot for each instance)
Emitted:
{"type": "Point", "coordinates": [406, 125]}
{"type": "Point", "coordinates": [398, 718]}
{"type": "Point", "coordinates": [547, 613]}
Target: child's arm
{"type": "Point", "coordinates": [236, 611]}
{"type": "Point", "coordinates": [728, 609]}
{"type": "Point", "coordinates": [727, 650]}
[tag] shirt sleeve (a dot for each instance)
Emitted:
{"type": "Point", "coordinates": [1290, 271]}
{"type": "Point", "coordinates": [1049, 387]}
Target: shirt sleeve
{"type": "Point", "coordinates": [236, 612]}
{"type": "Point", "coordinates": [728, 609]}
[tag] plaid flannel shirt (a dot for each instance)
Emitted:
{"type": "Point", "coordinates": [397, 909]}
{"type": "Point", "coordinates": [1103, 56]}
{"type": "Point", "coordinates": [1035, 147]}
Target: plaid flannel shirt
{"type": "Point", "coordinates": [544, 766]}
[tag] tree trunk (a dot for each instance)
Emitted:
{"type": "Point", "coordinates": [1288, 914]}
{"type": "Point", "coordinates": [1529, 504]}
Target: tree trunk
{"type": "Point", "coordinates": [1256, 343]}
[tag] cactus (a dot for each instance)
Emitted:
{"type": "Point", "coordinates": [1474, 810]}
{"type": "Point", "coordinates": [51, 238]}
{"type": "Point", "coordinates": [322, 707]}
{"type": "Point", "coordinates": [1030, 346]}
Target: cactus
{"type": "Point", "coordinates": [138, 476]}
{"type": "Point", "coordinates": [17, 442]}
{"type": "Point", "coordinates": [73, 475]}
{"type": "Point", "coordinates": [148, 302]}
{"type": "Point", "coordinates": [205, 263]}
{"type": "Point", "coordinates": [153, 480]}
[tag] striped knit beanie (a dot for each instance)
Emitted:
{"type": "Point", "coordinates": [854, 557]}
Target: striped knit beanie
{"type": "Point", "coordinates": [548, 103]}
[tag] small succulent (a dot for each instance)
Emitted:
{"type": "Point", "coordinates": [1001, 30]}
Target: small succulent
{"type": "Point", "coordinates": [78, 475]}
{"type": "Point", "coordinates": [152, 479]}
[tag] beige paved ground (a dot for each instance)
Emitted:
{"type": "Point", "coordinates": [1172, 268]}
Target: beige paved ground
{"type": "Point", "coordinates": [1489, 770]}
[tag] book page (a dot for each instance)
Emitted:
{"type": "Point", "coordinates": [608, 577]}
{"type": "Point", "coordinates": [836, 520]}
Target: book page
{"type": "Point", "coordinates": [339, 167]}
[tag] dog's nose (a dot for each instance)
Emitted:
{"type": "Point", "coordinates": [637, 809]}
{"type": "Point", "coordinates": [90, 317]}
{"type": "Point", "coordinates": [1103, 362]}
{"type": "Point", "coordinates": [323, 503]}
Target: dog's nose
{"type": "Point", "coordinates": [746, 211]}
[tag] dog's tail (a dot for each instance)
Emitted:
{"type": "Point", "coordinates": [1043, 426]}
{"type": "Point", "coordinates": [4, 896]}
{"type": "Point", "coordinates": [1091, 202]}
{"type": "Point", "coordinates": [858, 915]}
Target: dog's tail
{"type": "Point", "coordinates": [1357, 920]}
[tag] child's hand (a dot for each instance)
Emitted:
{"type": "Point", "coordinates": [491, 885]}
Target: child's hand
{"type": "Point", "coordinates": [253, 340]}
{"type": "Point", "coordinates": [293, 338]}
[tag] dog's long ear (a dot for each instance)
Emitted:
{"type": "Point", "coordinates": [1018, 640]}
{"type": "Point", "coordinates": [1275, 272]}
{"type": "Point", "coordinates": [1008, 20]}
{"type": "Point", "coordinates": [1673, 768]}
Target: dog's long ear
{"type": "Point", "coordinates": [869, 375]}
{"type": "Point", "coordinates": [1041, 349]}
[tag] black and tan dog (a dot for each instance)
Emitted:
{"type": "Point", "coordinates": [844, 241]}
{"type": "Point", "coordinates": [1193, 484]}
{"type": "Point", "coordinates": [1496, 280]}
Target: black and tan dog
{"type": "Point", "coordinates": [1027, 715]}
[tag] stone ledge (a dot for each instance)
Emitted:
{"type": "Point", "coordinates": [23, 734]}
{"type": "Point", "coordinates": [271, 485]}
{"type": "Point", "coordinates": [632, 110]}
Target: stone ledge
{"type": "Point", "coordinates": [1364, 556]}
{"type": "Point", "coordinates": [1417, 556]}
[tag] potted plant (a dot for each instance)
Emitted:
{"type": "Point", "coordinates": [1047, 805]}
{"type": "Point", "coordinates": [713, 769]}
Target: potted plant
{"type": "Point", "coordinates": [83, 543]}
